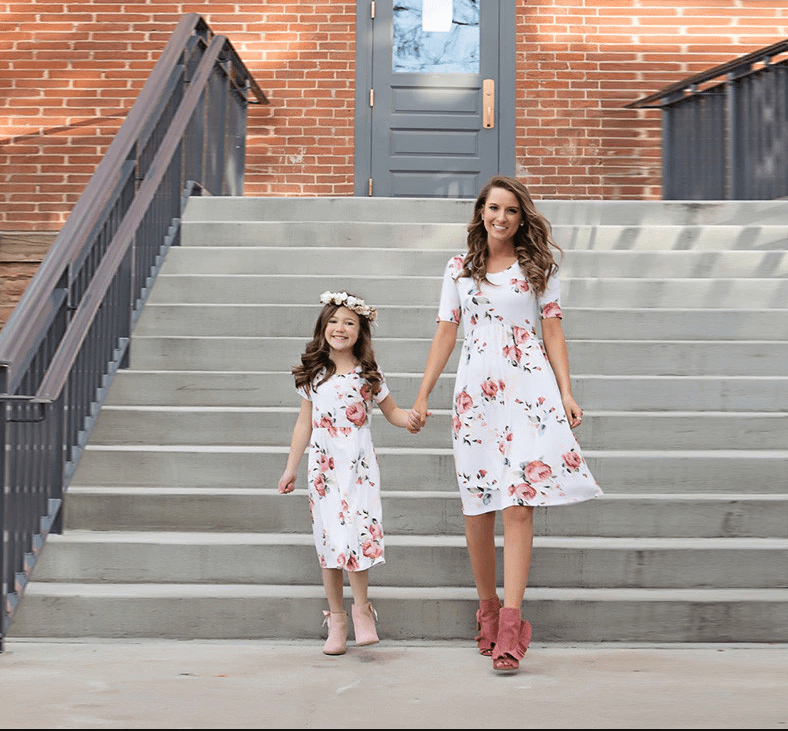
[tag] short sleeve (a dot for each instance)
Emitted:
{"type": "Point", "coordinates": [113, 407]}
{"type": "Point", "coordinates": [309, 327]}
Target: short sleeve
{"type": "Point", "coordinates": [549, 302]}
{"type": "Point", "coordinates": [384, 391]}
{"type": "Point", "coordinates": [302, 392]}
{"type": "Point", "coordinates": [449, 308]}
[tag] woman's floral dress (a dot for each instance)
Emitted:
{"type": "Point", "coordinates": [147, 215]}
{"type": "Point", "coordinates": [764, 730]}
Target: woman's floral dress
{"type": "Point", "coordinates": [512, 440]}
{"type": "Point", "coordinates": [343, 474]}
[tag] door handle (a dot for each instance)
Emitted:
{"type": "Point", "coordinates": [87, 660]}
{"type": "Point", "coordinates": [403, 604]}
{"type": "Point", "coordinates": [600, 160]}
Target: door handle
{"type": "Point", "coordinates": [488, 100]}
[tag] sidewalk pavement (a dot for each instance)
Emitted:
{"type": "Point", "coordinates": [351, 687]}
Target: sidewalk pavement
{"type": "Point", "coordinates": [151, 684]}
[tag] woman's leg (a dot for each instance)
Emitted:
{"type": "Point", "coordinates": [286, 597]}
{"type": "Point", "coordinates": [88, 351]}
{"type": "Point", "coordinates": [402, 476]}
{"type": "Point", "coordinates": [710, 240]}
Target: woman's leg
{"type": "Point", "coordinates": [518, 539]}
{"type": "Point", "coordinates": [333, 582]}
{"type": "Point", "coordinates": [480, 538]}
{"type": "Point", "coordinates": [364, 615]}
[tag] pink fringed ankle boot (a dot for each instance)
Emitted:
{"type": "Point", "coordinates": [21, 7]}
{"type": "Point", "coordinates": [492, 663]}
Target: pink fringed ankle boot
{"type": "Point", "coordinates": [487, 623]}
{"type": "Point", "coordinates": [514, 636]}
{"type": "Point", "coordinates": [337, 632]}
{"type": "Point", "coordinates": [364, 617]}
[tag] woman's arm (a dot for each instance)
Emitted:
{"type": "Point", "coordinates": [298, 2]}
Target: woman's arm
{"type": "Point", "coordinates": [557, 354]}
{"type": "Point", "coordinates": [440, 351]}
{"type": "Point", "coordinates": [302, 431]}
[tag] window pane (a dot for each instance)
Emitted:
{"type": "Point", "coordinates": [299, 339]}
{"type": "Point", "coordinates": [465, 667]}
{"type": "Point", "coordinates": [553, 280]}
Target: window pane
{"type": "Point", "coordinates": [415, 49]}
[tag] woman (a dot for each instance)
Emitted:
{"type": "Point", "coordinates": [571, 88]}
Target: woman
{"type": "Point", "coordinates": [513, 404]}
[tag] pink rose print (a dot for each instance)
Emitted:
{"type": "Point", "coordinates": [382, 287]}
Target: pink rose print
{"type": "Point", "coordinates": [572, 459]}
{"type": "Point", "coordinates": [356, 413]}
{"type": "Point", "coordinates": [455, 315]}
{"type": "Point", "coordinates": [456, 424]}
{"type": "Point", "coordinates": [464, 402]}
{"type": "Point", "coordinates": [502, 446]}
{"type": "Point", "coordinates": [512, 352]}
{"type": "Point", "coordinates": [320, 485]}
{"type": "Point", "coordinates": [537, 471]}
{"type": "Point", "coordinates": [366, 392]}
{"type": "Point", "coordinates": [326, 422]}
{"type": "Point", "coordinates": [520, 285]}
{"type": "Point", "coordinates": [376, 531]}
{"type": "Point", "coordinates": [551, 309]}
{"type": "Point", "coordinates": [490, 388]}
{"type": "Point", "coordinates": [502, 384]}
{"type": "Point", "coordinates": [326, 463]}
{"type": "Point", "coordinates": [352, 563]}
{"type": "Point", "coordinates": [341, 559]}
{"type": "Point", "coordinates": [523, 491]}
{"type": "Point", "coordinates": [521, 335]}
{"type": "Point", "coordinates": [371, 549]}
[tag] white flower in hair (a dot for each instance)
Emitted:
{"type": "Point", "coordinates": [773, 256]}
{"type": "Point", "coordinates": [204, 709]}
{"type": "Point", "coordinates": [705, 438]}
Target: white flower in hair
{"type": "Point", "coordinates": [356, 304]}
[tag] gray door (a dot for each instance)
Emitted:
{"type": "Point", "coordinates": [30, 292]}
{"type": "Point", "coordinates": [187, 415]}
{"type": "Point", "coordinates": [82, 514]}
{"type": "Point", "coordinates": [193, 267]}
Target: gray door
{"type": "Point", "coordinates": [435, 109]}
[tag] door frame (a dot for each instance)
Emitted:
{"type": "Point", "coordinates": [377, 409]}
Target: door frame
{"type": "Point", "coordinates": [506, 89]}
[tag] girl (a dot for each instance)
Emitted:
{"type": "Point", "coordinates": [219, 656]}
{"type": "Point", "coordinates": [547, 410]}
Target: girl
{"type": "Point", "coordinates": [338, 379]}
{"type": "Point", "coordinates": [513, 404]}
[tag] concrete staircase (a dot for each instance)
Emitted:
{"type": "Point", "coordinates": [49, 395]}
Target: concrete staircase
{"type": "Point", "coordinates": [676, 316]}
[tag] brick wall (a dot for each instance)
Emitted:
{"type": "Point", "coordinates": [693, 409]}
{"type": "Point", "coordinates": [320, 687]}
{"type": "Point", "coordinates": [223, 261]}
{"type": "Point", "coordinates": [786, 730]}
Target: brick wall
{"type": "Point", "coordinates": [69, 71]}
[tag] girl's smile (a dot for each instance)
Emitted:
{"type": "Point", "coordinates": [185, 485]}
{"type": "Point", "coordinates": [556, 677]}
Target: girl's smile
{"type": "Point", "coordinates": [342, 330]}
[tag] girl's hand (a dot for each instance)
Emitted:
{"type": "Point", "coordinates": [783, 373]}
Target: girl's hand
{"type": "Point", "coordinates": [414, 421]}
{"type": "Point", "coordinates": [287, 482]}
{"type": "Point", "coordinates": [421, 412]}
{"type": "Point", "coordinates": [573, 411]}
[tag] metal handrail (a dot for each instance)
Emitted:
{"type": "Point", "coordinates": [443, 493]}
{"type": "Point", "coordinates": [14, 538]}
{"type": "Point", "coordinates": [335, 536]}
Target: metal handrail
{"type": "Point", "coordinates": [71, 330]}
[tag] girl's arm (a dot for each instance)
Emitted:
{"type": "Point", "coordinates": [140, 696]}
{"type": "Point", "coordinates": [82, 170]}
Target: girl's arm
{"type": "Point", "coordinates": [399, 417]}
{"type": "Point", "coordinates": [555, 345]}
{"type": "Point", "coordinates": [302, 431]}
{"type": "Point", "coordinates": [441, 349]}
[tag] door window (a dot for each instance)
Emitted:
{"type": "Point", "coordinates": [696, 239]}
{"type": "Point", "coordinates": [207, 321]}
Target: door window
{"type": "Point", "coordinates": [420, 50]}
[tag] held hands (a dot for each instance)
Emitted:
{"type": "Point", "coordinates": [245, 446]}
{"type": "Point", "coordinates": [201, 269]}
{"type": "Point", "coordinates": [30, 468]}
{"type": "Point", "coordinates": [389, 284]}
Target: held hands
{"type": "Point", "coordinates": [414, 422]}
{"type": "Point", "coordinates": [287, 482]}
{"type": "Point", "coordinates": [573, 411]}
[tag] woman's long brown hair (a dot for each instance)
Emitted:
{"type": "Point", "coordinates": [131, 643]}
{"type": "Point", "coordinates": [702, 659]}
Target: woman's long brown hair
{"type": "Point", "coordinates": [532, 242]}
{"type": "Point", "coordinates": [315, 359]}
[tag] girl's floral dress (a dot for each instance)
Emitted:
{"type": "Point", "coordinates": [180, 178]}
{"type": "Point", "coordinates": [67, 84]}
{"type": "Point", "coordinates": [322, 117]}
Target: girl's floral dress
{"type": "Point", "coordinates": [512, 440]}
{"type": "Point", "coordinates": [343, 474]}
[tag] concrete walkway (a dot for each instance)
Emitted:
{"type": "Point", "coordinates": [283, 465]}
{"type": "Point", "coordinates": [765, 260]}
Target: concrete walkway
{"type": "Point", "coordinates": [264, 684]}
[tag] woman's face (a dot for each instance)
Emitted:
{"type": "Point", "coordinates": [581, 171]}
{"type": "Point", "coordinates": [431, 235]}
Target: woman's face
{"type": "Point", "coordinates": [501, 215]}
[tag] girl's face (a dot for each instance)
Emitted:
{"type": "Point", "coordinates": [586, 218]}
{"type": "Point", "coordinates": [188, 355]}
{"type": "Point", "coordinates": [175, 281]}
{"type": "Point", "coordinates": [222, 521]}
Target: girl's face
{"type": "Point", "coordinates": [342, 330]}
{"type": "Point", "coordinates": [502, 215]}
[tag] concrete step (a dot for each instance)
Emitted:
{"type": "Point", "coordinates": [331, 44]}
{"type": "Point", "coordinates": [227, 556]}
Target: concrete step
{"type": "Point", "coordinates": [415, 235]}
{"type": "Point", "coordinates": [606, 357]}
{"type": "Point", "coordinates": [437, 210]}
{"type": "Point", "coordinates": [413, 321]}
{"type": "Point", "coordinates": [275, 388]}
{"type": "Point", "coordinates": [600, 429]}
{"type": "Point", "coordinates": [748, 293]}
{"type": "Point", "coordinates": [632, 472]}
{"type": "Point", "coordinates": [249, 611]}
{"type": "Point", "coordinates": [339, 260]}
{"type": "Point", "coordinates": [426, 512]}
{"type": "Point", "coordinates": [289, 558]}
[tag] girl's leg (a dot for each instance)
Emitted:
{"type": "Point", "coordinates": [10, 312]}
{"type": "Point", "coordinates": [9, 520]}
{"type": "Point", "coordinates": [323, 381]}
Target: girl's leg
{"type": "Point", "coordinates": [518, 540]}
{"type": "Point", "coordinates": [335, 618]}
{"type": "Point", "coordinates": [364, 615]}
{"type": "Point", "coordinates": [359, 583]}
{"type": "Point", "coordinates": [480, 538]}
{"type": "Point", "coordinates": [333, 581]}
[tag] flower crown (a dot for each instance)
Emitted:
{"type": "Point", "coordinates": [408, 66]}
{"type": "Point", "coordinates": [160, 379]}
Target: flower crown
{"type": "Point", "coordinates": [356, 304]}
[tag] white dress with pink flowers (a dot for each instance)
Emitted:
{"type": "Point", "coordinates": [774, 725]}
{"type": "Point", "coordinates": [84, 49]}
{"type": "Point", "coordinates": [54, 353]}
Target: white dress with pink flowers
{"type": "Point", "coordinates": [343, 474]}
{"type": "Point", "coordinates": [512, 440]}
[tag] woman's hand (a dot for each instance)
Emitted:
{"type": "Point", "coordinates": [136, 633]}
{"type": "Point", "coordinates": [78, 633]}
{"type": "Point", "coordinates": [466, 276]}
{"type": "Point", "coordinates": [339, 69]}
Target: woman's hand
{"type": "Point", "coordinates": [414, 422]}
{"type": "Point", "coordinates": [287, 481]}
{"type": "Point", "coordinates": [420, 411]}
{"type": "Point", "coordinates": [573, 411]}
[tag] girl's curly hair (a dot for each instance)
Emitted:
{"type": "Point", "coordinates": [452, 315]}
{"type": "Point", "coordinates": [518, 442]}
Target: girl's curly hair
{"type": "Point", "coordinates": [532, 242]}
{"type": "Point", "coordinates": [315, 360]}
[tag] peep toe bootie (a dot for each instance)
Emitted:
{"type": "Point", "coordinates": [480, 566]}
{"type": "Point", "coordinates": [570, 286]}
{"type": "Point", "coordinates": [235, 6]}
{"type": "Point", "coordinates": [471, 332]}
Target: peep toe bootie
{"type": "Point", "coordinates": [364, 617]}
{"type": "Point", "coordinates": [487, 617]}
{"type": "Point", "coordinates": [514, 636]}
{"type": "Point", "coordinates": [337, 632]}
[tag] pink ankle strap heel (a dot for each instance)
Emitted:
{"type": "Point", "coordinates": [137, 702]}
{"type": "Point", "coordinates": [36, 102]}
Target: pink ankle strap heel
{"type": "Point", "coordinates": [364, 617]}
{"type": "Point", "coordinates": [337, 632]}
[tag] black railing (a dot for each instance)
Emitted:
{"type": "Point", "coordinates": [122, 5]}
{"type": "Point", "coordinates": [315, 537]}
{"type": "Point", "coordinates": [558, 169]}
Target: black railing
{"type": "Point", "coordinates": [725, 131]}
{"type": "Point", "coordinates": [71, 330]}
